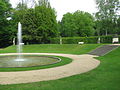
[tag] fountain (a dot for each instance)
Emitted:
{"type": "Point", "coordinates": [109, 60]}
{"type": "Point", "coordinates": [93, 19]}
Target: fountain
{"type": "Point", "coordinates": [8, 61]}
{"type": "Point", "coordinates": [19, 43]}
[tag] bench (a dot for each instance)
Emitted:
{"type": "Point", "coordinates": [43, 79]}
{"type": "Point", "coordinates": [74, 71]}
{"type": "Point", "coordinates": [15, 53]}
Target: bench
{"type": "Point", "coordinates": [80, 43]}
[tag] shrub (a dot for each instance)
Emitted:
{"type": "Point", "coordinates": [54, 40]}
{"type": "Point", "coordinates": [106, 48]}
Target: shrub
{"type": "Point", "coordinates": [87, 40]}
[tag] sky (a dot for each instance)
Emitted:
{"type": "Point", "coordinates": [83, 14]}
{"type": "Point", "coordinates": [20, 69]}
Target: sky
{"type": "Point", "coordinates": [64, 6]}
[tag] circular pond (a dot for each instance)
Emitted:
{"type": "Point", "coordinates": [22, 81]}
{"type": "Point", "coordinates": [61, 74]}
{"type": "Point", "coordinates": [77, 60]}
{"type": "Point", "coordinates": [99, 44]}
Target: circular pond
{"type": "Point", "coordinates": [28, 61]}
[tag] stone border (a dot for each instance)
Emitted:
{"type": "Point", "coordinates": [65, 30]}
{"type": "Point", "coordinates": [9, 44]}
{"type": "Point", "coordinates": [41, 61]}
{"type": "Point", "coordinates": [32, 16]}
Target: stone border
{"type": "Point", "coordinates": [80, 64]}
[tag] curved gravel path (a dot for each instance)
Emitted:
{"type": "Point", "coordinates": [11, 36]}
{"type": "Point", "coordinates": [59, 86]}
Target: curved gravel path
{"type": "Point", "coordinates": [80, 64]}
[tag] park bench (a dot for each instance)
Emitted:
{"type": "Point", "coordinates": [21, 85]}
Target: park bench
{"type": "Point", "coordinates": [80, 43]}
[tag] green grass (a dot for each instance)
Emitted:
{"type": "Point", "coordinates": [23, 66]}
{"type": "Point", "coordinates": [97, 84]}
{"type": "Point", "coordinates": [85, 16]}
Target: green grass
{"type": "Point", "coordinates": [49, 48]}
{"type": "Point", "coordinates": [105, 77]}
{"type": "Point", "coordinates": [64, 61]}
{"type": "Point", "coordinates": [53, 48]}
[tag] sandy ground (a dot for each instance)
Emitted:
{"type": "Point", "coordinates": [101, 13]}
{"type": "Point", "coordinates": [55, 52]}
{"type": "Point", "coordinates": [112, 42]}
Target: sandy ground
{"type": "Point", "coordinates": [80, 64]}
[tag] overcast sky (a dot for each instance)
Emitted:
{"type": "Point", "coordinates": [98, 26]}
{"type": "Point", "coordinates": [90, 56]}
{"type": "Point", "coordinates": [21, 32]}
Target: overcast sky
{"type": "Point", "coordinates": [64, 6]}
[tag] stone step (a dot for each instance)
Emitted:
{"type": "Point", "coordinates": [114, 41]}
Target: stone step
{"type": "Point", "coordinates": [101, 51]}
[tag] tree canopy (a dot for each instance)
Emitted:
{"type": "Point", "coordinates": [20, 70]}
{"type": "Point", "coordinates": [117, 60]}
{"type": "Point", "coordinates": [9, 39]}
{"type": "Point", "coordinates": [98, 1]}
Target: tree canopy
{"type": "Point", "coordinates": [107, 16]}
{"type": "Point", "coordinates": [78, 23]}
{"type": "Point", "coordinates": [38, 22]}
{"type": "Point", "coordinates": [5, 29]}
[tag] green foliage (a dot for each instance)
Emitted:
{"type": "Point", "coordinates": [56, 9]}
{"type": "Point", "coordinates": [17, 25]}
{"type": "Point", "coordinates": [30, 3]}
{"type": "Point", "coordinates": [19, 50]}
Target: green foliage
{"type": "Point", "coordinates": [5, 25]}
{"type": "Point", "coordinates": [77, 24]}
{"type": "Point", "coordinates": [118, 25]}
{"type": "Point", "coordinates": [38, 24]}
{"type": "Point", "coordinates": [104, 77]}
{"type": "Point", "coordinates": [107, 16]}
{"type": "Point", "coordinates": [43, 3]}
{"type": "Point", "coordinates": [87, 40]}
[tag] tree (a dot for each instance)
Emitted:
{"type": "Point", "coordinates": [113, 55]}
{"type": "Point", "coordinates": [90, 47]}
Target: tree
{"type": "Point", "coordinates": [107, 15]}
{"type": "Point", "coordinates": [77, 24]}
{"type": "Point", "coordinates": [38, 23]}
{"type": "Point", "coordinates": [68, 27]}
{"type": "Point", "coordinates": [118, 25]}
{"type": "Point", "coordinates": [46, 22]}
{"type": "Point", "coordinates": [5, 27]}
{"type": "Point", "coordinates": [43, 3]}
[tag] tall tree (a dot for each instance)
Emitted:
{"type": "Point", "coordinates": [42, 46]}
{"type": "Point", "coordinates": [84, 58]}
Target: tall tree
{"type": "Point", "coordinates": [39, 23]}
{"type": "Point", "coordinates": [68, 27]}
{"type": "Point", "coordinates": [77, 24]}
{"type": "Point", "coordinates": [107, 15]}
{"type": "Point", "coordinates": [5, 28]}
{"type": "Point", "coordinates": [18, 16]}
{"type": "Point", "coordinates": [118, 25]}
{"type": "Point", "coordinates": [44, 2]}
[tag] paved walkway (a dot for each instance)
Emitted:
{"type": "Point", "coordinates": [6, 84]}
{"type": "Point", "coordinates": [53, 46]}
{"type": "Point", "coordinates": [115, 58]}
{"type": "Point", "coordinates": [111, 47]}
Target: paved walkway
{"type": "Point", "coordinates": [104, 49]}
{"type": "Point", "coordinates": [80, 64]}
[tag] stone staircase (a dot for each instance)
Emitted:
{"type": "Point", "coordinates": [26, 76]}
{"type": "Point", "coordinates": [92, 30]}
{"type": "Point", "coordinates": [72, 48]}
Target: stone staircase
{"type": "Point", "coordinates": [102, 50]}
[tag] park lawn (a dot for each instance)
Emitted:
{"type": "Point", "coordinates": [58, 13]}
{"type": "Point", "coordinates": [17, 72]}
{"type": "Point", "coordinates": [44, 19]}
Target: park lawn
{"type": "Point", "coordinates": [53, 48]}
{"type": "Point", "coordinates": [49, 48]}
{"type": "Point", "coordinates": [104, 77]}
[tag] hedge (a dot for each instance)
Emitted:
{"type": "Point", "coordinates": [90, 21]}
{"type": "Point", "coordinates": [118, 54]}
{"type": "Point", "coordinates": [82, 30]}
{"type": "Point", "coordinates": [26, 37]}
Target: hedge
{"type": "Point", "coordinates": [65, 40]}
{"type": "Point", "coordinates": [87, 40]}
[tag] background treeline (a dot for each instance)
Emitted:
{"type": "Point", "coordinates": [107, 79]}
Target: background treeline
{"type": "Point", "coordinates": [77, 24]}
{"type": "Point", "coordinates": [39, 24]}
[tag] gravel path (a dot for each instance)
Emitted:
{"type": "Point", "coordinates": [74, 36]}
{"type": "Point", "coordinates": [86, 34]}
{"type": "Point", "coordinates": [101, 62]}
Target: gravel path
{"type": "Point", "coordinates": [80, 64]}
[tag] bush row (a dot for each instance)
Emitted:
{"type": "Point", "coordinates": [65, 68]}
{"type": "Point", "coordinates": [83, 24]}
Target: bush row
{"type": "Point", "coordinates": [87, 40]}
{"type": "Point", "coordinates": [65, 40]}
